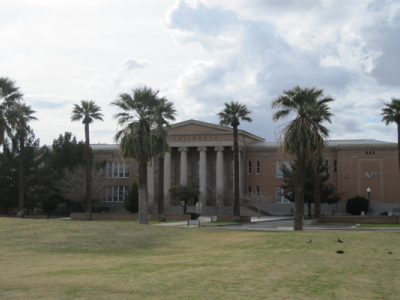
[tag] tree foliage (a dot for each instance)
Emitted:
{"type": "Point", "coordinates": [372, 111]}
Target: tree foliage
{"type": "Point", "coordinates": [142, 136]}
{"type": "Point", "coordinates": [10, 169]}
{"type": "Point", "coordinates": [88, 111]}
{"type": "Point", "coordinates": [329, 192]}
{"type": "Point", "coordinates": [231, 115]}
{"type": "Point", "coordinates": [183, 194]}
{"type": "Point", "coordinates": [9, 97]}
{"type": "Point", "coordinates": [303, 137]}
{"type": "Point", "coordinates": [131, 200]}
{"type": "Point", "coordinates": [66, 152]}
{"type": "Point", "coordinates": [72, 185]}
{"type": "Point", "coordinates": [356, 205]}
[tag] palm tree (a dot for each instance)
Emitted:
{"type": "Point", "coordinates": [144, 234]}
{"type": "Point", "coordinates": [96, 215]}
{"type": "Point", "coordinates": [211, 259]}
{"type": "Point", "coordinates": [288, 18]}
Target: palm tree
{"type": "Point", "coordinates": [303, 137]}
{"type": "Point", "coordinates": [9, 95]}
{"type": "Point", "coordinates": [141, 133]}
{"type": "Point", "coordinates": [391, 114]}
{"type": "Point", "coordinates": [88, 111]}
{"type": "Point", "coordinates": [230, 116]}
{"type": "Point", "coordinates": [24, 115]}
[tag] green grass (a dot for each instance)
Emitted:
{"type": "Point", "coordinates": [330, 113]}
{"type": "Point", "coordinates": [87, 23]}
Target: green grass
{"type": "Point", "coordinates": [379, 226]}
{"type": "Point", "coordinates": [56, 259]}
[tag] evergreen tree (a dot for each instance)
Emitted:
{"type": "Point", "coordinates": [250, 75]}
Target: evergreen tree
{"type": "Point", "coordinates": [9, 172]}
{"type": "Point", "coordinates": [329, 192]}
{"type": "Point", "coordinates": [131, 200]}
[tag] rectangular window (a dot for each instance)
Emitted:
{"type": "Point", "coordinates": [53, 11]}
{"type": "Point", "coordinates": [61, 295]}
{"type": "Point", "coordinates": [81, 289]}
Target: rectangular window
{"type": "Point", "coordinates": [215, 169]}
{"type": "Point", "coordinates": [121, 169]}
{"type": "Point", "coordinates": [249, 167]}
{"type": "Point", "coordinates": [335, 166]}
{"type": "Point", "coordinates": [279, 197]}
{"type": "Point", "coordinates": [231, 194]}
{"type": "Point", "coordinates": [116, 170]}
{"type": "Point", "coordinates": [110, 169]}
{"type": "Point", "coordinates": [121, 193]}
{"type": "Point", "coordinates": [127, 170]}
{"type": "Point", "coordinates": [257, 191]}
{"type": "Point", "coordinates": [249, 191]}
{"type": "Point", "coordinates": [137, 168]}
{"type": "Point", "coordinates": [114, 193]}
{"type": "Point", "coordinates": [198, 169]}
{"type": "Point", "coordinates": [327, 167]}
{"type": "Point", "coordinates": [232, 168]}
{"type": "Point", "coordinates": [279, 164]}
{"type": "Point", "coordinates": [258, 167]}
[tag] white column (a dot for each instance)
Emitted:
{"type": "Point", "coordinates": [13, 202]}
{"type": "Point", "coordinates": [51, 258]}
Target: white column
{"type": "Point", "coordinates": [241, 177]}
{"type": "Point", "coordinates": [183, 151]}
{"type": "Point", "coordinates": [150, 182]}
{"type": "Point", "coordinates": [167, 178]}
{"type": "Point", "coordinates": [203, 174]}
{"type": "Point", "coordinates": [219, 184]}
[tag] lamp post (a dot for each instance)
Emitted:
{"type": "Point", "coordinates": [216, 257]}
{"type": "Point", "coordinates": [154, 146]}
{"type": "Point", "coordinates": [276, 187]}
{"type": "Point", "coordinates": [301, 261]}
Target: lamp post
{"type": "Point", "coordinates": [369, 200]}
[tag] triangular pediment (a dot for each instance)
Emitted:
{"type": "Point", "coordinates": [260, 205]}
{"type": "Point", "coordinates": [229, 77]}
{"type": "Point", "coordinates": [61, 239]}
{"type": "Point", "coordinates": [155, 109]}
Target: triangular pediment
{"type": "Point", "coordinates": [198, 128]}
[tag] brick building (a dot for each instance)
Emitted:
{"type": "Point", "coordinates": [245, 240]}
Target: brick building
{"type": "Point", "coordinates": [202, 152]}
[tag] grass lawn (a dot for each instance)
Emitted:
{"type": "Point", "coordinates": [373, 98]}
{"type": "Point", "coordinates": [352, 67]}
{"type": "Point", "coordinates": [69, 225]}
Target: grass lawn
{"type": "Point", "coordinates": [60, 259]}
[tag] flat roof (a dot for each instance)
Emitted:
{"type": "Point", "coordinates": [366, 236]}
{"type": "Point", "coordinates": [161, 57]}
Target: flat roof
{"type": "Point", "coordinates": [332, 143]}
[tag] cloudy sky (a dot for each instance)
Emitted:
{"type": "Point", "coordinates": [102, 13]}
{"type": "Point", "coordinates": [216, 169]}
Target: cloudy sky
{"type": "Point", "coordinates": [200, 54]}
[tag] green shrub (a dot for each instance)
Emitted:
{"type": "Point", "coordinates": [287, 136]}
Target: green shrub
{"type": "Point", "coordinates": [193, 215]}
{"type": "Point", "coordinates": [356, 205]}
{"type": "Point", "coordinates": [131, 200]}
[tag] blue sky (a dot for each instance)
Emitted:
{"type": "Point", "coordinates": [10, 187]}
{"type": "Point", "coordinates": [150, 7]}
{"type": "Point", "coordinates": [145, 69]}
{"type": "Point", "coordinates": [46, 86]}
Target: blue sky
{"type": "Point", "coordinates": [200, 54]}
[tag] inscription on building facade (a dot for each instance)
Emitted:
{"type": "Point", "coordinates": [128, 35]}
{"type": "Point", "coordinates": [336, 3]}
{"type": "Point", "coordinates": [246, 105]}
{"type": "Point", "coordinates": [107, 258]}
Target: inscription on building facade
{"type": "Point", "coordinates": [192, 138]}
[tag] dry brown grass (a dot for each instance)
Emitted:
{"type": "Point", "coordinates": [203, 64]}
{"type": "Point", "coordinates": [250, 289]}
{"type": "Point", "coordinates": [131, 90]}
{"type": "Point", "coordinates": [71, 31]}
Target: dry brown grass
{"type": "Point", "coordinates": [53, 259]}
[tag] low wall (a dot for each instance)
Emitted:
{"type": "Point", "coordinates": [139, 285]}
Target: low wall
{"type": "Point", "coordinates": [229, 218]}
{"type": "Point", "coordinates": [360, 219]}
{"type": "Point", "coordinates": [26, 216]}
{"type": "Point", "coordinates": [122, 216]}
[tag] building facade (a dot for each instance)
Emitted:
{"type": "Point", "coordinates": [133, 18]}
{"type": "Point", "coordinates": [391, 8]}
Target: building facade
{"type": "Point", "coordinates": [202, 153]}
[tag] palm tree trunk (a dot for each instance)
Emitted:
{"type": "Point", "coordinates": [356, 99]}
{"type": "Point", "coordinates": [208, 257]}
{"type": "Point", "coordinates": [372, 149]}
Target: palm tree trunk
{"type": "Point", "coordinates": [299, 195]}
{"type": "Point", "coordinates": [143, 210]}
{"type": "Point", "coordinates": [236, 196]}
{"type": "Point", "coordinates": [21, 208]}
{"type": "Point", "coordinates": [317, 194]}
{"type": "Point", "coordinates": [88, 208]}
{"type": "Point", "coordinates": [160, 197]}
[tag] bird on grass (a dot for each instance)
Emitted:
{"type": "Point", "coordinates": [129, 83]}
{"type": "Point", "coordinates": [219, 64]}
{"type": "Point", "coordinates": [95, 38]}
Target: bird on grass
{"type": "Point", "coordinates": [339, 241]}
{"type": "Point", "coordinates": [309, 241]}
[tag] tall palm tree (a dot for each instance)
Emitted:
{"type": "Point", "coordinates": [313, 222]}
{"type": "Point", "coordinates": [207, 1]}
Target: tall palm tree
{"type": "Point", "coordinates": [9, 95]}
{"type": "Point", "coordinates": [230, 116]}
{"type": "Point", "coordinates": [391, 114]}
{"type": "Point", "coordinates": [88, 111]}
{"type": "Point", "coordinates": [302, 137]}
{"type": "Point", "coordinates": [140, 135]}
{"type": "Point", "coordinates": [24, 115]}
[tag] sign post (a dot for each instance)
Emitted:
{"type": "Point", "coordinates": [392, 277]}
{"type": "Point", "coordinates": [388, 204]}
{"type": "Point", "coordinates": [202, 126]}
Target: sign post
{"type": "Point", "coordinates": [198, 208]}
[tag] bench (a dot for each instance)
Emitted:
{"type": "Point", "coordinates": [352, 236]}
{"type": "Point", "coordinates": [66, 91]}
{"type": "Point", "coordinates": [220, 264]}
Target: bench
{"type": "Point", "coordinates": [193, 222]}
